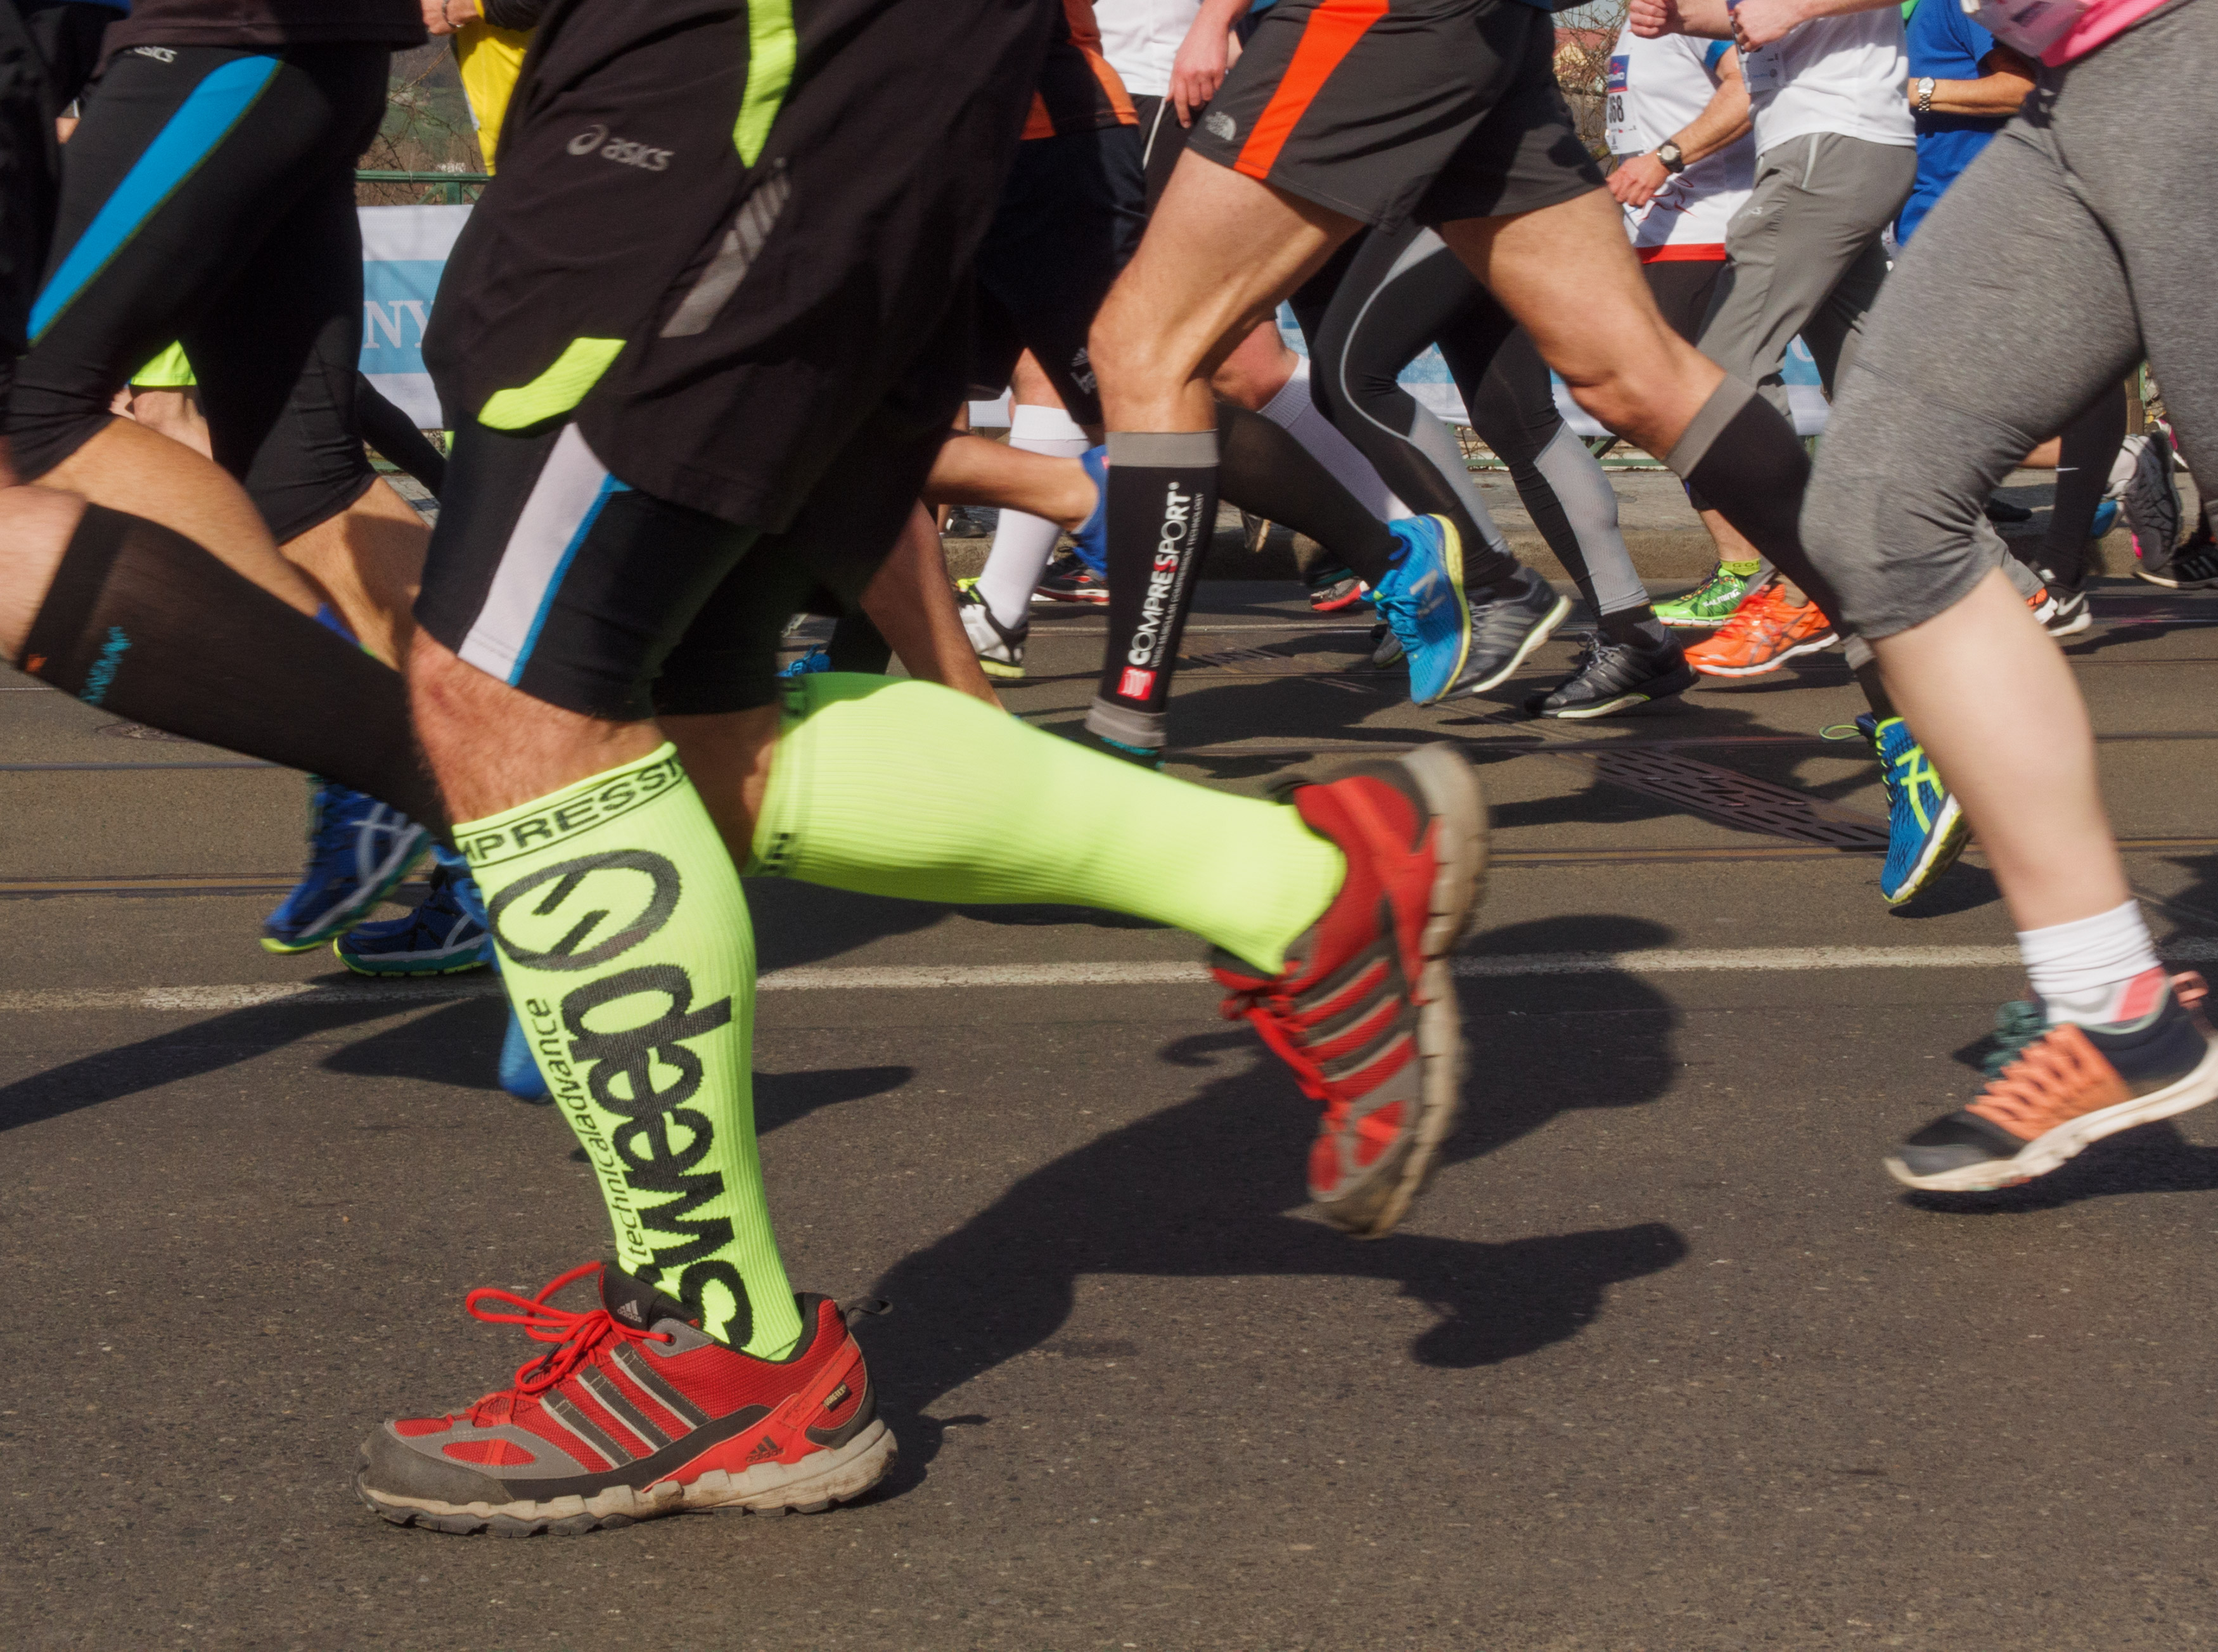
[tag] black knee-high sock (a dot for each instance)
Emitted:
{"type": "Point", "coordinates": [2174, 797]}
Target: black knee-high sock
{"type": "Point", "coordinates": [1162, 510]}
{"type": "Point", "coordinates": [143, 622]}
{"type": "Point", "coordinates": [1265, 471]}
{"type": "Point", "coordinates": [2090, 444]}
{"type": "Point", "coordinates": [1749, 467]}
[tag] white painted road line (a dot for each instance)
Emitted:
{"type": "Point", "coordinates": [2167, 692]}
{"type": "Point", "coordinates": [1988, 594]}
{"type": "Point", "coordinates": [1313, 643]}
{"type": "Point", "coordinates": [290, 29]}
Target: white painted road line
{"type": "Point", "coordinates": [1663, 961]}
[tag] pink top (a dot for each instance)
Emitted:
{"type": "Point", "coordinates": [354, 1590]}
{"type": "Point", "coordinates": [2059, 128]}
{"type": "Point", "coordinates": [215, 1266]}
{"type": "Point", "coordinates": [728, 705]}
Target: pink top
{"type": "Point", "coordinates": [2098, 23]}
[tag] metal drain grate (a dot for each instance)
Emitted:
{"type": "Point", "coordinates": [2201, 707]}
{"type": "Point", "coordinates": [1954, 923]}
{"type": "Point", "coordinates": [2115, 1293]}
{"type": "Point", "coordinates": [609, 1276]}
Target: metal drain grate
{"type": "Point", "coordinates": [1731, 799]}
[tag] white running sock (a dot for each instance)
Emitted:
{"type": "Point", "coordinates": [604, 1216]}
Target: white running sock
{"type": "Point", "coordinates": [1022, 542]}
{"type": "Point", "coordinates": [2083, 971]}
{"type": "Point", "coordinates": [1292, 411]}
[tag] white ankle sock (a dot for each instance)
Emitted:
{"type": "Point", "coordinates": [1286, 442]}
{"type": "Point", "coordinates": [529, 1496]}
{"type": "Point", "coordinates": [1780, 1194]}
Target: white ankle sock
{"type": "Point", "coordinates": [1022, 542]}
{"type": "Point", "coordinates": [1292, 411]}
{"type": "Point", "coordinates": [2085, 971]}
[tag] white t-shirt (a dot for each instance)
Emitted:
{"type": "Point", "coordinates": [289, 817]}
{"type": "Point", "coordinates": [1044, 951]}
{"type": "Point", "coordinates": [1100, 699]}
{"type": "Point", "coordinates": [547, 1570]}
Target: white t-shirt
{"type": "Point", "coordinates": [1843, 74]}
{"type": "Point", "coordinates": [1657, 88]}
{"type": "Point", "coordinates": [1141, 38]}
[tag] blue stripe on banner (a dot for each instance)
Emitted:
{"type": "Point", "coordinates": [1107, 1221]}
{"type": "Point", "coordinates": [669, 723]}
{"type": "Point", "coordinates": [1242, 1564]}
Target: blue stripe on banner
{"type": "Point", "coordinates": [609, 486]}
{"type": "Point", "coordinates": [204, 121]}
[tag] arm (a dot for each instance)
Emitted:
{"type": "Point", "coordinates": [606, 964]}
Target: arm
{"type": "Point", "coordinates": [1722, 122]}
{"type": "Point", "coordinates": [2005, 79]}
{"type": "Point", "coordinates": [1709, 19]}
{"type": "Point", "coordinates": [1760, 23]}
{"type": "Point", "coordinates": [1199, 70]}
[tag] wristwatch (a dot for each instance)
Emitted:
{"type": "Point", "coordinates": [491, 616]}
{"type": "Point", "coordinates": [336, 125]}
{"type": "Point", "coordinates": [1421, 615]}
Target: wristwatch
{"type": "Point", "coordinates": [1925, 94]}
{"type": "Point", "coordinates": [1674, 157]}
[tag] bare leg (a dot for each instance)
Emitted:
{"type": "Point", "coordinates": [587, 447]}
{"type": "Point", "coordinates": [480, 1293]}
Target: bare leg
{"type": "Point", "coordinates": [173, 413]}
{"type": "Point", "coordinates": [912, 602]}
{"type": "Point", "coordinates": [1256, 369]}
{"type": "Point", "coordinates": [369, 560]}
{"type": "Point", "coordinates": [129, 467]}
{"type": "Point", "coordinates": [35, 526]}
{"type": "Point", "coordinates": [971, 470]}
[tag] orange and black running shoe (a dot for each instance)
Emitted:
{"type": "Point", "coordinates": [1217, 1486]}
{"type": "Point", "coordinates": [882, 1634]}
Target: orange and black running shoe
{"type": "Point", "coordinates": [2071, 1086]}
{"type": "Point", "coordinates": [636, 1412]}
{"type": "Point", "coordinates": [1365, 1010]}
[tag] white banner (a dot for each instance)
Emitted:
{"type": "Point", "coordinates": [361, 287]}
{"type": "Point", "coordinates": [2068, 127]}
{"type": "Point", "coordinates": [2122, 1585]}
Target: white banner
{"type": "Point", "coordinates": [404, 249]}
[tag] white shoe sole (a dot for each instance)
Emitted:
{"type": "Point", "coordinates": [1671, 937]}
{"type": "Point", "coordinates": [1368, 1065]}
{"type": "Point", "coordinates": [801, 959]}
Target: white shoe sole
{"type": "Point", "coordinates": [1941, 851]}
{"type": "Point", "coordinates": [2045, 1153]}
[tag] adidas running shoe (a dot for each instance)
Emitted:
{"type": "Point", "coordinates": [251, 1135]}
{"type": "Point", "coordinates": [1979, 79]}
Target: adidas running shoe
{"type": "Point", "coordinates": [1422, 601]}
{"type": "Point", "coordinates": [440, 937]}
{"type": "Point", "coordinates": [2193, 566]}
{"type": "Point", "coordinates": [1067, 579]}
{"type": "Point", "coordinates": [1000, 648]}
{"type": "Point", "coordinates": [1765, 633]}
{"type": "Point", "coordinates": [1364, 1009]}
{"type": "Point", "coordinates": [358, 849]}
{"type": "Point", "coordinates": [1508, 622]}
{"type": "Point", "coordinates": [2150, 498]}
{"type": "Point", "coordinates": [1925, 828]}
{"type": "Point", "coordinates": [2070, 1086]}
{"type": "Point", "coordinates": [1611, 677]}
{"type": "Point", "coordinates": [1709, 604]}
{"type": "Point", "coordinates": [1332, 587]}
{"type": "Point", "coordinates": [634, 1412]}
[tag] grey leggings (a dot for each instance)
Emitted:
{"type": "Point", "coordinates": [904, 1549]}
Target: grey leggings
{"type": "Point", "coordinates": [2081, 240]}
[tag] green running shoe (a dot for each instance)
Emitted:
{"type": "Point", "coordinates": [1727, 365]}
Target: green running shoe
{"type": "Point", "coordinates": [1711, 603]}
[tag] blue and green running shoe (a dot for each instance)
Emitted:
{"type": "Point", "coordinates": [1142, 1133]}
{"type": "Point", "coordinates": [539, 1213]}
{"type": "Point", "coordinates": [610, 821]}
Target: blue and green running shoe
{"type": "Point", "coordinates": [1422, 601]}
{"type": "Point", "coordinates": [358, 849]}
{"type": "Point", "coordinates": [445, 936]}
{"type": "Point", "coordinates": [818, 659]}
{"type": "Point", "coordinates": [1925, 829]}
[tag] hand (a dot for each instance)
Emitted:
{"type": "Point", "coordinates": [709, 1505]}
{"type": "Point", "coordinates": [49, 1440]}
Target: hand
{"type": "Point", "coordinates": [1652, 18]}
{"type": "Point", "coordinates": [1636, 182]}
{"type": "Point", "coordinates": [1760, 23]}
{"type": "Point", "coordinates": [446, 16]}
{"type": "Point", "coordinates": [1197, 73]}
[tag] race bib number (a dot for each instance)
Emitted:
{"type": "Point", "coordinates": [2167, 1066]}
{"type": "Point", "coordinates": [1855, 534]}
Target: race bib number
{"type": "Point", "coordinates": [2031, 26]}
{"type": "Point", "coordinates": [1622, 135]}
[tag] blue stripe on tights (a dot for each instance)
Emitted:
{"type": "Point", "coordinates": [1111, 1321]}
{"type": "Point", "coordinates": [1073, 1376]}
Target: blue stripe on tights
{"type": "Point", "coordinates": [609, 488]}
{"type": "Point", "coordinates": [202, 121]}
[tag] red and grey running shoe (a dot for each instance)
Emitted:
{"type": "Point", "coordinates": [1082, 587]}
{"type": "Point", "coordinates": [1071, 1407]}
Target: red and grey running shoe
{"type": "Point", "coordinates": [1365, 1011]}
{"type": "Point", "coordinates": [1067, 579]}
{"type": "Point", "coordinates": [636, 1412]}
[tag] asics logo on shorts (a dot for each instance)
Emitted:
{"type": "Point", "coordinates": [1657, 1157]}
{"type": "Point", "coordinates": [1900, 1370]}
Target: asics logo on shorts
{"type": "Point", "coordinates": [159, 53]}
{"type": "Point", "coordinates": [623, 150]}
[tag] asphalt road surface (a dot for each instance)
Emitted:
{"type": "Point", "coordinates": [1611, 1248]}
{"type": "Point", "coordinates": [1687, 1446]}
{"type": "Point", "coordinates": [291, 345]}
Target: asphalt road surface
{"type": "Point", "coordinates": [1664, 1361]}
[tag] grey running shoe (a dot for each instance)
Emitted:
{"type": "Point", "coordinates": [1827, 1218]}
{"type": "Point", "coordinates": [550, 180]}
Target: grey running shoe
{"type": "Point", "coordinates": [1508, 622]}
{"type": "Point", "coordinates": [1612, 677]}
{"type": "Point", "coordinates": [2151, 504]}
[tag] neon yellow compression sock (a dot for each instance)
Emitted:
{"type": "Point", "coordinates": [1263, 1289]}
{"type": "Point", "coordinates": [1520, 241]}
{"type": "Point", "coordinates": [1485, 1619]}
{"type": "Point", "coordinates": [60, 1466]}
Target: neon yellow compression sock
{"type": "Point", "coordinates": [626, 949]}
{"type": "Point", "coordinates": [1745, 570]}
{"type": "Point", "coordinates": [909, 788]}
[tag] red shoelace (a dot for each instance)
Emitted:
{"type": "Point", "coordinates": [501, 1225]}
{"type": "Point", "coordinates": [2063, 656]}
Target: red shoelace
{"type": "Point", "coordinates": [575, 1335]}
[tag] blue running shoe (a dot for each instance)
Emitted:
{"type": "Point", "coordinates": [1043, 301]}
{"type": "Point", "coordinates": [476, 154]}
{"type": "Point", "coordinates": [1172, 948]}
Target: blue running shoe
{"type": "Point", "coordinates": [440, 938]}
{"type": "Point", "coordinates": [1925, 829]}
{"type": "Point", "coordinates": [358, 849]}
{"type": "Point", "coordinates": [1091, 542]}
{"type": "Point", "coordinates": [1422, 601]}
{"type": "Point", "coordinates": [2106, 517]}
{"type": "Point", "coordinates": [818, 659]}
{"type": "Point", "coordinates": [519, 1071]}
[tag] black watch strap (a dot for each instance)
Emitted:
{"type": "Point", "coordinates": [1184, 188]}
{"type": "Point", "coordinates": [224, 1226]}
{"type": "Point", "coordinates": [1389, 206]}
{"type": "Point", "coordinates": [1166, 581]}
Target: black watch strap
{"type": "Point", "coordinates": [1673, 159]}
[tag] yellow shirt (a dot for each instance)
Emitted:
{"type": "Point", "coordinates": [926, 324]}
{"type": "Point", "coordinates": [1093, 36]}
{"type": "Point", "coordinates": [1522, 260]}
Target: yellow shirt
{"type": "Point", "coordinates": [490, 59]}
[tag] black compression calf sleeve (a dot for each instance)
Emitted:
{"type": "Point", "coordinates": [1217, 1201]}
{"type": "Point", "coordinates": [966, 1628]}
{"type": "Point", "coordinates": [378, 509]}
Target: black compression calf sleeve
{"type": "Point", "coordinates": [1162, 512]}
{"type": "Point", "coordinates": [394, 434]}
{"type": "Point", "coordinates": [141, 620]}
{"type": "Point", "coordinates": [2090, 446]}
{"type": "Point", "coordinates": [1749, 467]}
{"type": "Point", "coordinates": [1264, 470]}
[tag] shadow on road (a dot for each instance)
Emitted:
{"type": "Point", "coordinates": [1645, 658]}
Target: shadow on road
{"type": "Point", "coordinates": [1202, 1190]}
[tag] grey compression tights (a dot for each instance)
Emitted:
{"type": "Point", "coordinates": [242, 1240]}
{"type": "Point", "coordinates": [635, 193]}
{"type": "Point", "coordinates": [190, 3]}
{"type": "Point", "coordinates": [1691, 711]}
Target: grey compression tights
{"type": "Point", "coordinates": [1931, 417]}
{"type": "Point", "coordinates": [1404, 290]}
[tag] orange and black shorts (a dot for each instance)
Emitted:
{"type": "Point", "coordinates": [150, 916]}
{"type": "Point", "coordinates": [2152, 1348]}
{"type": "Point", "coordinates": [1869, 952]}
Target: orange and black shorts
{"type": "Point", "coordinates": [1389, 110]}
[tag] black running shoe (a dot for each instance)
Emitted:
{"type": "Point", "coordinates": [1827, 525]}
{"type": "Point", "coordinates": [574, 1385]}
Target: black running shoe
{"type": "Point", "coordinates": [1332, 587]}
{"type": "Point", "coordinates": [1508, 622]}
{"type": "Point", "coordinates": [1612, 677]}
{"type": "Point", "coordinates": [2194, 566]}
{"type": "Point", "coordinates": [2002, 510]}
{"type": "Point", "coordinates": [2151, 504]}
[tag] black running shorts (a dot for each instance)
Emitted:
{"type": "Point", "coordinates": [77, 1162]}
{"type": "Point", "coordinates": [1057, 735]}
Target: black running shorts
{"type": "Point", "coordinates": [737, 245]}
{"type": "Point", "coordinates": [207, 199]}
{"type": "Point", "coordinates": [1069, 220]}
{"type": "Point", "coordinates": [1388, 110]}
